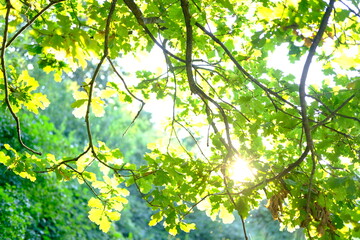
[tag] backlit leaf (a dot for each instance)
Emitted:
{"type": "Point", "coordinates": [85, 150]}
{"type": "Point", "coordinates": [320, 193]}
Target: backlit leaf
{"type": "Point", "coordinates": [113, 216]}
{"type": "Point", "coordinates": [225, 215]}
{"type": "Point", "coordinates": [95, 203]}
{"type": "Point", "coordinates": [187, 227]}
{"type": "Point", "coordinates": [104, 224]}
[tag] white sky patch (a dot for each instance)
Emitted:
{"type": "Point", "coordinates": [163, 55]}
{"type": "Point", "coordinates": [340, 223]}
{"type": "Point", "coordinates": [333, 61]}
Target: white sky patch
{"type": "Point", "coordinates": [279, 60]}
{"type": "Point", "coordinates": [153, 62]}
{"type": "Point", "coordinates": [143, 61]}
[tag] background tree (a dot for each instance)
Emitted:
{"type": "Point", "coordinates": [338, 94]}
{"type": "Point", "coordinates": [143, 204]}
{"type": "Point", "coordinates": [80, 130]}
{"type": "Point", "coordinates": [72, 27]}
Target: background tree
{"type": "Point", "coordinates": [301, 141]}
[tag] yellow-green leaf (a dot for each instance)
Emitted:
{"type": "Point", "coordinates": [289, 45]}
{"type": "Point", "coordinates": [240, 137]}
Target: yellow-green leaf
{"type": "Point", "coordinates": [118, 202]}
{"type": "Point", "coordinates": [173, 231]}
{"type": "Point", "coordinates": [51, 158]}
{"type": "Point", "coordinates": [57, 76]}
{"type": "Point", "coordinates": [114, 216]}
{"type": "Point", "coordinates": [80, 111]}
{"type": "Point", "coordinates": [16, 4]}
{"type": "Point", "coordinates": [95, 203]}
{"type": "Point", "coordinates": [95, 215]}
{"type": "Point", "coordinates": [104, 224]}
{"type": "Point", "coordinates": [124, 192]}
{"type": "Point", "coordinates": [30, 82]}
{"type": "Point", "coordinates": [98, 107]}
{"type": "Point", "coordinates": [3, 158]}
{"type": "Point", "coordinates": [225, 215]}
{"type": "Point", "coordinates": [27, 175]}
{"type": "Point", "coordinates": [187, 227]}
{"type": "Point", "coordinates": [155, 219]}
{"type": "Point", "coordinates": [107, 93]}
{"type": "Point", "coordinates": [80, 95]}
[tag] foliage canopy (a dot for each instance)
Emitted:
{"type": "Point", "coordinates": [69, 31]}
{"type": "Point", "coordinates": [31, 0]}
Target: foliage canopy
{"type": "Point", "coordinates": [301, 140]}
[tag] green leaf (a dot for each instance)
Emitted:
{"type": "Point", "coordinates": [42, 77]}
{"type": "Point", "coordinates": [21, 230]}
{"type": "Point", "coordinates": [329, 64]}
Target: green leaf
{"type": "Point", "coordinates": [242, 207]}
{"type": "Point", "coordinates": [78, 103]}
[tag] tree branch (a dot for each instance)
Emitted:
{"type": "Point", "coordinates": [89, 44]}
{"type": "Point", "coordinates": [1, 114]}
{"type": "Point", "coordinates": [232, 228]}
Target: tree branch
{"type": "Point", "coordinates": [194, 88]}
{"type": "Point", "coordinates": [350, 9]}
{"type": "Point", "coordinates": [3, 69]}
{"type": "Point", "coordinates": [140, 19]}
{"type": "Point", "coordinates": [303, 104]}
{"type": "Point", "coordinates": [327, 108]}
{"type": "Point", "coordinates": [92, 82]}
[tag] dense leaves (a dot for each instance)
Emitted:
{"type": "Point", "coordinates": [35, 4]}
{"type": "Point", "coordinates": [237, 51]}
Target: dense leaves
{"type": "Point", "coordinates": [300, 139]}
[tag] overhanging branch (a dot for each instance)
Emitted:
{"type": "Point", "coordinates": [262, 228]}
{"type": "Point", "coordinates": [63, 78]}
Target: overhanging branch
{"type": "Point", "coordinates": [302, 94]}
{"type": "Point", "coordinates": [3, 69]}
{"type": "Point", "coordinates": [92, 82]}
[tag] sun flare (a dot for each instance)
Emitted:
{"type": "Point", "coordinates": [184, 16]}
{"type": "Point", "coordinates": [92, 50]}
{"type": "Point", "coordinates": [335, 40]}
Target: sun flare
{"type": "Point", "coordinates": [240, 171]}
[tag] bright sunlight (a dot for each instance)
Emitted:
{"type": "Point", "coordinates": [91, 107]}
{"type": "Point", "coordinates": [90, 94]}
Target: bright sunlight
{"type": "Point", "coordinates": [240, 171]}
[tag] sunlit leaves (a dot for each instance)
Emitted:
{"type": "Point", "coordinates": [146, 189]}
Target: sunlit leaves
{"type": "Point", "coordinates": [81, 105]}
{"type": "Point", "coordinates": [242, 207]}
{"type": "Point", "coordinates": [99, 217]}
{"type": "Point", "coordinates": [21, 94]}
{"type": "Point", "coordinates": [104, 212]}
{"type": "Point", "coordinates": [98, 107]}
{"type": "Point", "coordinates": [270, 14]}
{"type": "Point", "coordinates": [107, 93]}
{"type": "Point", "coordinates": [95, 203]}
{"type": "Point", "coordinates": [23, 165]}
{"type": "Point", "coordinates": [16, 4]}
{"type": "Point", "coordinates": [4, 159]}
{"type": "Point", "coordinates": [187, 227]}
{"type": "Point", "coordinates": [173, 231]}
{"type": "Point", "coordinates": [155, 219]}
{"type": "Point", "coordinates": [83, 162]}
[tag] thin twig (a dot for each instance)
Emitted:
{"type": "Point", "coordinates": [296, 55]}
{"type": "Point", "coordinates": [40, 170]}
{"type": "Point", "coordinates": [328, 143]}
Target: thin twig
{"type": "Point", "coordinates": [227, 103]}
{"type": "Point", "coordinates": [329, 110]}
{"type": "Point", "coordinates": [233, 202]}
{"type": "Point", "coordinates": [197, 203]}
{"type": "Point", "coordinates": [333, 113]}
{"type": "Point", "coordinates": [131, 94]}
{"type": "Point", "coordinates": [194, 139]}
{"type": "Point", "coordinates": [85, 181]}
{"type": "Point", "coordinates": [350, 9]}
{"type": "Point", "coordinates": [140, 19]}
